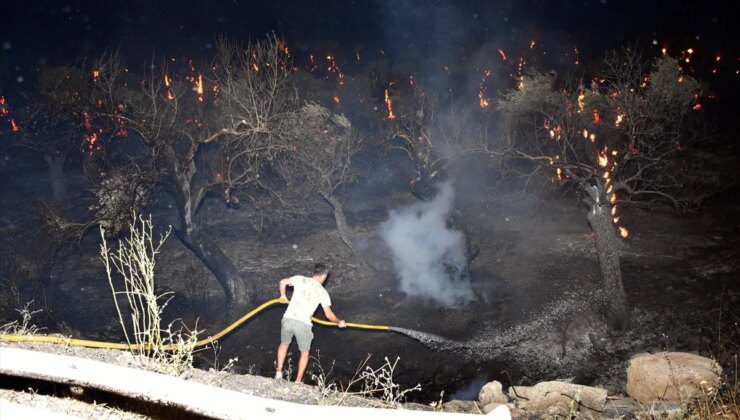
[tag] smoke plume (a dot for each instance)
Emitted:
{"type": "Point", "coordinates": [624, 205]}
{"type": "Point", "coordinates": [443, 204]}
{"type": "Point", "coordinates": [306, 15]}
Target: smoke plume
{"type": "Point", "coordinates": [429, 257]}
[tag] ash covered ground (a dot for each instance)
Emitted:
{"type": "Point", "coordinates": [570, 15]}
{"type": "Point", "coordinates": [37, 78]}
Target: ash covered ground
{"type": "Point", "coordinates": [535, 317]}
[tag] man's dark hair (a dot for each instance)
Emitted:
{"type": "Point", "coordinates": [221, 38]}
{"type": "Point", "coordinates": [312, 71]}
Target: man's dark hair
{"type": "Point", "coordinates": [319, 269]}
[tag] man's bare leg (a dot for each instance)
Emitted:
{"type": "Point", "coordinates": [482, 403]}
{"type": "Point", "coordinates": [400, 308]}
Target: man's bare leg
{"type": "Point", "coordinates": [302, 363]}
{"type": "Point", "coordinates": [282, 353]}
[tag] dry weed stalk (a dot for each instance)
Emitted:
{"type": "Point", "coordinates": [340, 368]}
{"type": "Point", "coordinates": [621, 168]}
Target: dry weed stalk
{"type": "Point", "coordinates": [166, 349]}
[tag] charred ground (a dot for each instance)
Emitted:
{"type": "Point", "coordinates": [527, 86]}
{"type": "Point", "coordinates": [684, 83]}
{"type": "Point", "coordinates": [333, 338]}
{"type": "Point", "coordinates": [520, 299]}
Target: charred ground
{"type": "Point", "coordinates": [680, 273]}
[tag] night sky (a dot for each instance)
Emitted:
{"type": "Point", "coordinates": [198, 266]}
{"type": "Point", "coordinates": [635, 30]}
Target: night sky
{"type": "Point", "coordinates": [38, 32]}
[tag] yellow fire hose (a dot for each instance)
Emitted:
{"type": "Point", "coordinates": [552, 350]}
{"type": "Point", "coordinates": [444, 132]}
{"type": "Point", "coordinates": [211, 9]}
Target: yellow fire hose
{"type": "Point", "coordinates": [19, 338]}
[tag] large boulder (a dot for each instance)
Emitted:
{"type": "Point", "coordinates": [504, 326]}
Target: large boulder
{"type": "Point", "coordinates": [670, 376]}
{"type": "Point", "coordinates": [492, 392]}
{"type": "Point", "coordinates": [560, 398]}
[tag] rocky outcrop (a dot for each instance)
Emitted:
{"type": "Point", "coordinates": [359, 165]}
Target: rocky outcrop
{"type": "Point", "coordinates": [559, 398]}
{"type": "Point", "coordinates": [670, 376]}
{"type": "Point", "coordinates": [492, 393]}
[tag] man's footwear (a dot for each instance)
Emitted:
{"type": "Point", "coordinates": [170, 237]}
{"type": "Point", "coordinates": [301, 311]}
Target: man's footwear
{"type": "Point", "coordinates": [278, 376]}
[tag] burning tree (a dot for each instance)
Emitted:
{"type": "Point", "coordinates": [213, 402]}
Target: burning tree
{"type": "Point", "coordinates": [212, 132]}
{"type": "Point", "coordinates": [622, 141]}
{"type": "Point", "coordinates": [432, 140]}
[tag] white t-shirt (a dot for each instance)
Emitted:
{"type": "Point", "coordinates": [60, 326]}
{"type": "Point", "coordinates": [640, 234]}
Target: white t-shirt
{"type": "Point", "coordinates": [308, 293]}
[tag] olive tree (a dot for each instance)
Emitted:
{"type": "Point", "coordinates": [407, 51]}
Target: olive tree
{"type": "Point", "coordinates": [623, 140]}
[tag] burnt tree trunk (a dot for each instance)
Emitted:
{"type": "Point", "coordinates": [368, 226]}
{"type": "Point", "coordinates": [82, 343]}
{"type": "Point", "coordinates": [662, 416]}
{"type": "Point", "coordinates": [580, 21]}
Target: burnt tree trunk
{"type": "Point", "coordinates": [56, 175]}
{"type": "Point", "coordinates": [617, 309]}
{"type": "Point", "coordinates": [343, 229]}
{"type": "Point", "coordinates": [207, 251]}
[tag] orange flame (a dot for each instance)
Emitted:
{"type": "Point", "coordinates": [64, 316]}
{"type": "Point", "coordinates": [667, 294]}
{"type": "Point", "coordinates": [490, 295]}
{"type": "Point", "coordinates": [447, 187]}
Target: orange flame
{"type": "Point", "coordinates": [389, 105]}
{"type": "Point", "coordinates": [199, 87]}
{"type": "Point", "coordinates": [581, 102]}
{"type": "Point", "coordinates": [597, 118]}
{"type": "Point", "coordinates": [620, 118]}
{"type": "Point", "coordinates": [482, 101]}
{"type": "Point", "coordinates": [88, 127]}
{"type": "Point", "coordinates": [91, 140]}
{"type": "Point", "coordinates": [623, 232]}
{"type": "Point", "coordinates": [14, 126]}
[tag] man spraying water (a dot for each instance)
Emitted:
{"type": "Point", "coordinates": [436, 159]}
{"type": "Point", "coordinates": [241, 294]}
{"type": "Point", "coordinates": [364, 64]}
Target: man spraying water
{"type": "Point", "coordinates": [308, 293]}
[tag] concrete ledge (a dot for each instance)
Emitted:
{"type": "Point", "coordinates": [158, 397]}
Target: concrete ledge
{"type": "Point", "coordinates": [190, 396]}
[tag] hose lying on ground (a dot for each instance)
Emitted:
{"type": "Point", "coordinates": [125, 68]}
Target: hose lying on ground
{"type": "Point", "coordinates": [22, 338]}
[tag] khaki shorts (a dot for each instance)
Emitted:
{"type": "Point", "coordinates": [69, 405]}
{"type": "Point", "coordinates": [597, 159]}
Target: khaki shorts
{"type": "Point", "coordinates": [292, 327]}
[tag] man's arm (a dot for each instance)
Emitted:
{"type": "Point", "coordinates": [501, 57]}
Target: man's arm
{"type": "Point", "coordinates": [284, 283]}
{"type": "Point", "coordinates": [333, 318]}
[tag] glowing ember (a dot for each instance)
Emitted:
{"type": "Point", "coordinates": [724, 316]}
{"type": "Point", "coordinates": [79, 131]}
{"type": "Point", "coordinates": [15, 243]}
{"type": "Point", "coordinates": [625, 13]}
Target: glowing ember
{"type": "Point", "coordinates": [581, 102]}
{"type": "Point", "coordinates": [603, 159]}
{"type": "Point", "coordinates": [88, 127]}
{"type": "Point", "coordinates": [482, 101]}
{"type": "Point", "coordinates": [620, 118]}
{"type": "Point", "coordinates": [560, 173]}
{"type": "Point", "coordinates": [623, 232]}
{"type": "Point", "coordinates": [91, 140]}
{"type": "Point", "coordinates": [3, 109]}
{"type": "Point", "coordinates": [697, 107]}
{"type": "Point", "coordinates": [597, 118]}
{"type": "Point", "coordinates": [502, 54]}
{"type": "Point", "coordinates": [199, 87]}
{"type": "Point", "coordinates": [389, 105]}
{"type": "Point", "coordinates": [14, 126]}
{"type": "Point", "coordinates": [336, 99]}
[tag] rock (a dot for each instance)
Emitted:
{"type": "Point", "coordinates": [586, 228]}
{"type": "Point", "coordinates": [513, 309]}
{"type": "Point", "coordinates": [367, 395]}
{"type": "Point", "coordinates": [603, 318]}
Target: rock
{"type": "Point", "coordinates": [492, 392]}
{"type": "Point", "coordinates": [459, 406]}
{"type": "Point", "coordinates": [670, 376]}
{"type": "Point", "coordinates": [559, 398]}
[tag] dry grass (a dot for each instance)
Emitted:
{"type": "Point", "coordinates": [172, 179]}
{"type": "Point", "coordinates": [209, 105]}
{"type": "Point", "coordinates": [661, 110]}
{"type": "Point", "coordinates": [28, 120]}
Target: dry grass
{"type": "Point", "coordinates": [168, 350]}
{"type": "Point", "coordinates": [720, 403]}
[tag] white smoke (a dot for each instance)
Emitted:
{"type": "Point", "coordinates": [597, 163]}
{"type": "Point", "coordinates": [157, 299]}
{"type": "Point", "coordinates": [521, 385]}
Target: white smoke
{"type": "Point", "coordinates": [426, 252]}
